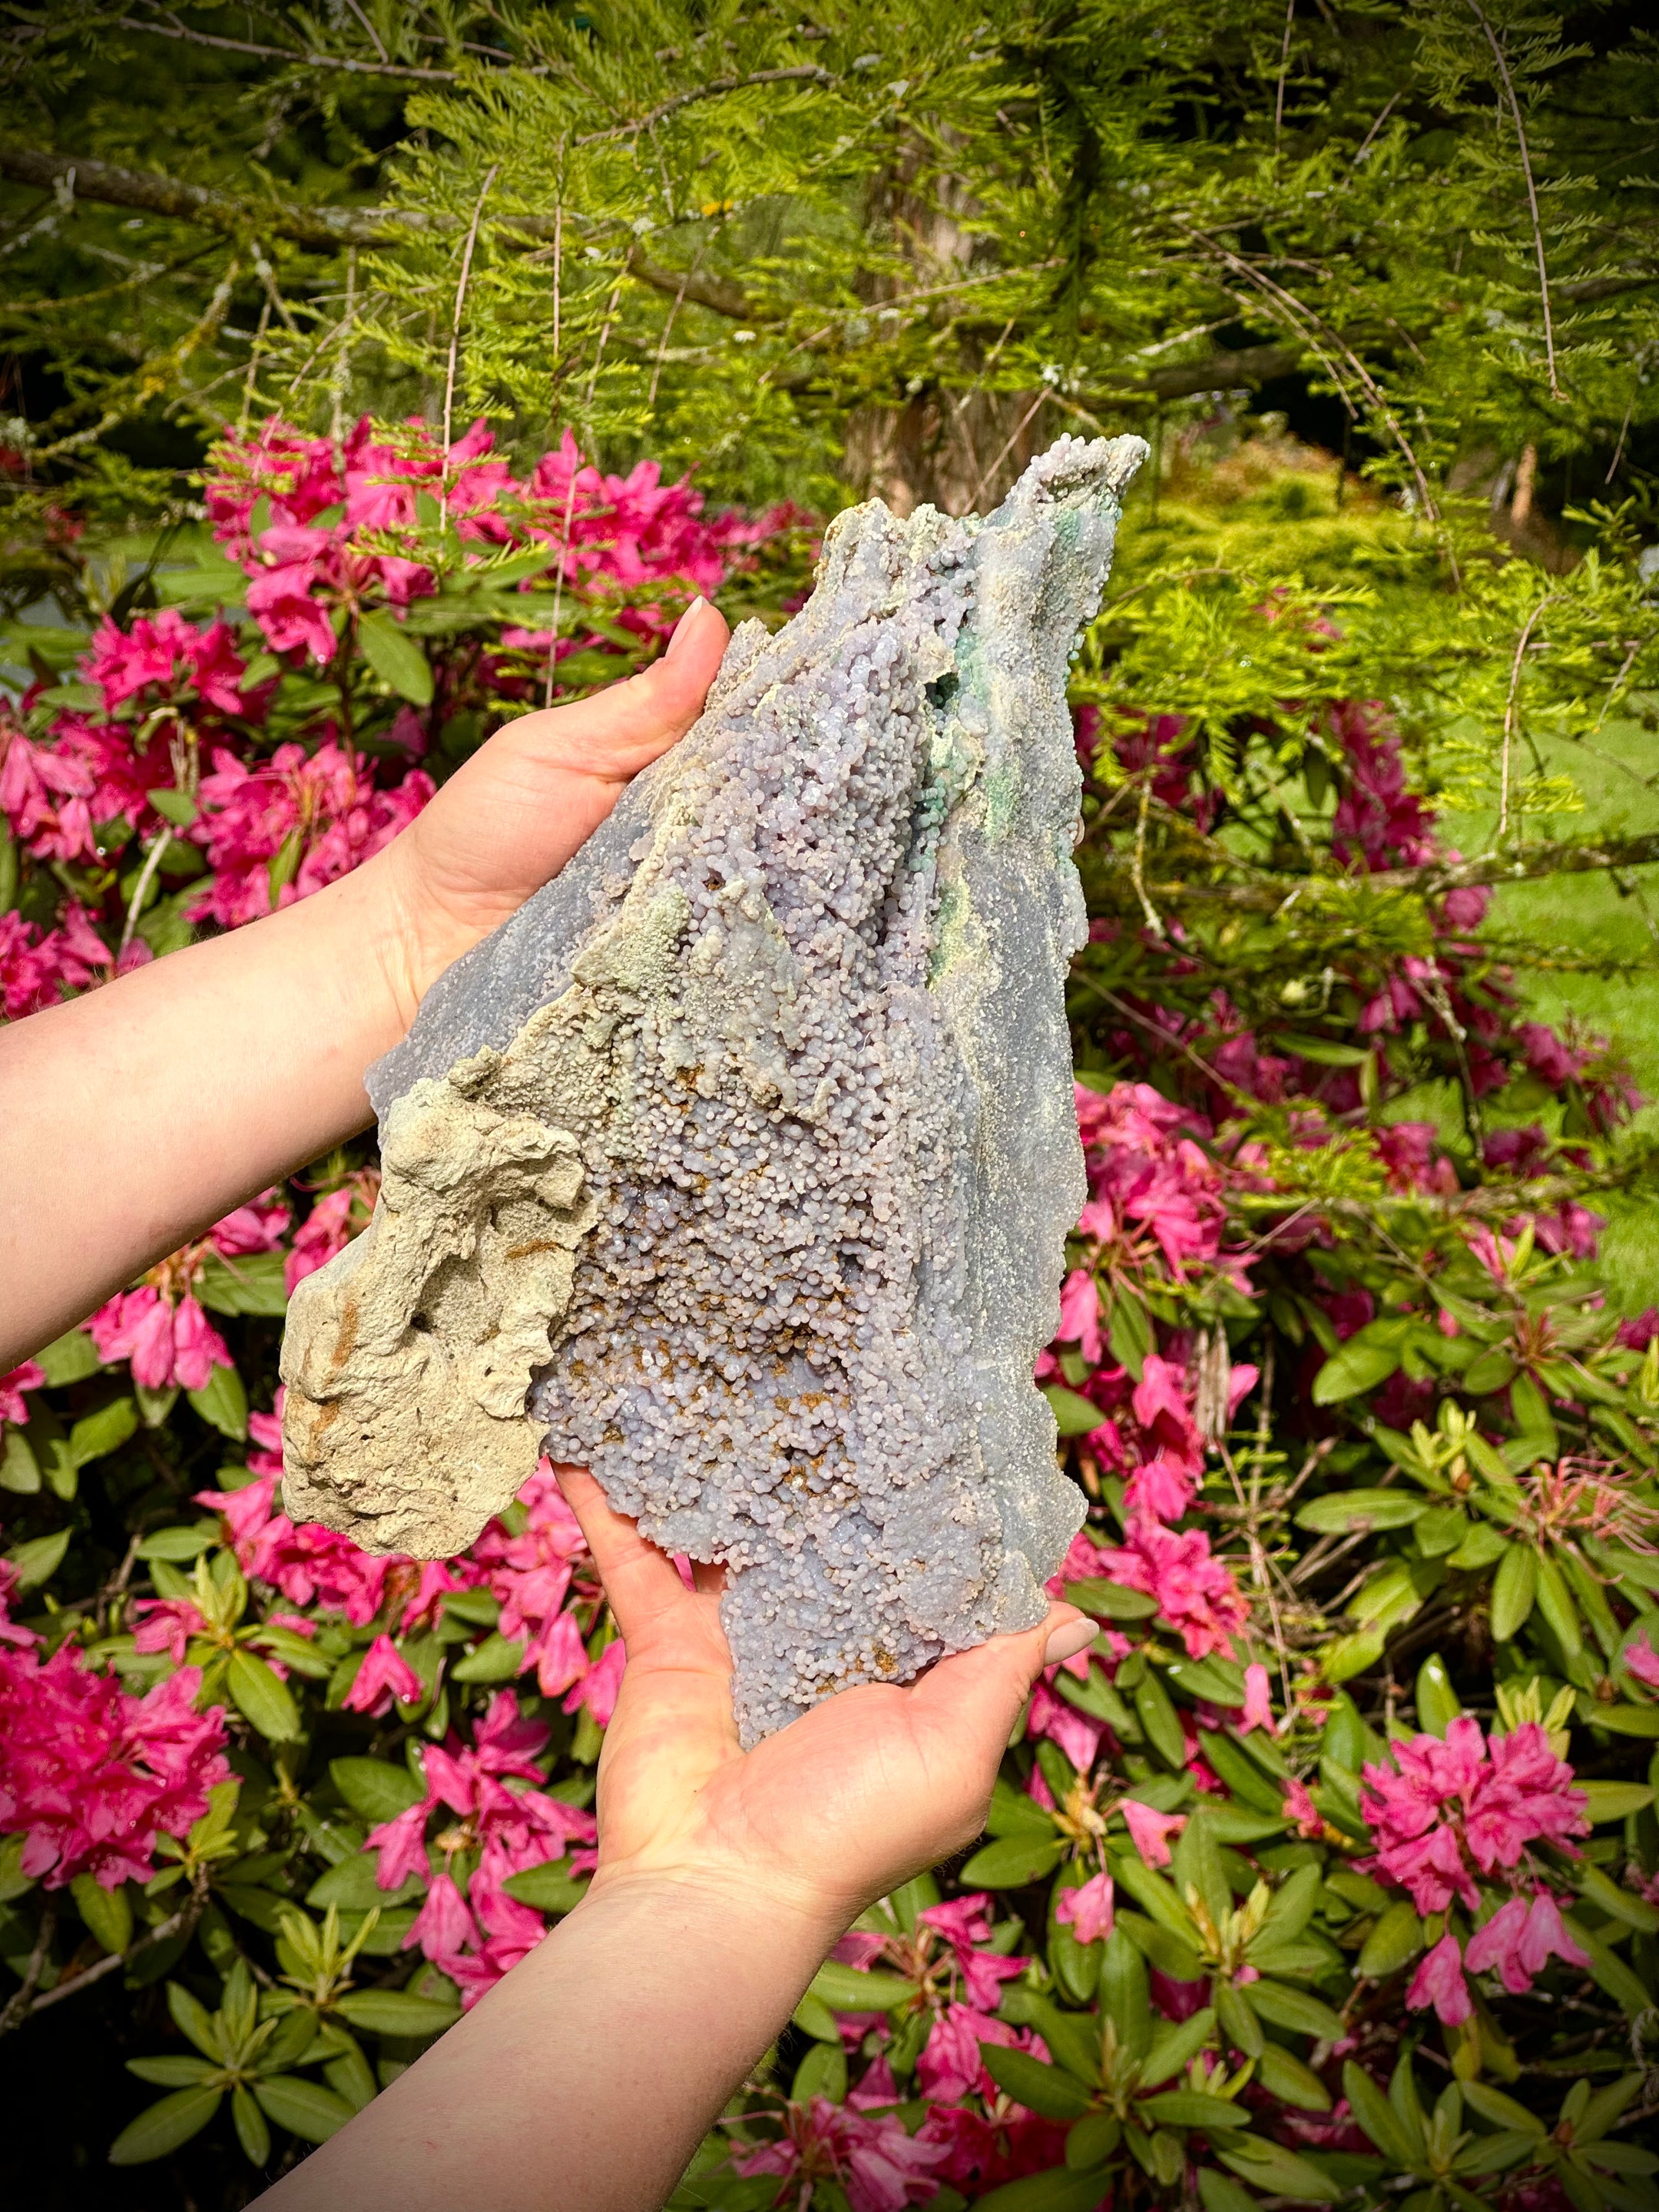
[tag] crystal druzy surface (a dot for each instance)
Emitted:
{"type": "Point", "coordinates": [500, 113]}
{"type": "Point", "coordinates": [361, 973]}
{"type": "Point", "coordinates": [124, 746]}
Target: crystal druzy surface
{"type": "Point", "coordinates": [738, 1165]}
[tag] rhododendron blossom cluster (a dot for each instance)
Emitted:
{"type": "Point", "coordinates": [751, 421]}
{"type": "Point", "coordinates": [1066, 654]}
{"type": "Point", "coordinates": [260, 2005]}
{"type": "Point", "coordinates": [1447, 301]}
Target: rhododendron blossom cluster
{"type": "Point", "coordinates": [1449, 1810]}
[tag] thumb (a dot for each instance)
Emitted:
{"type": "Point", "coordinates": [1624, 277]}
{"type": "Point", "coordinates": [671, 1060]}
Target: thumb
{"type": "Point", "coordinates": [986, 1687]}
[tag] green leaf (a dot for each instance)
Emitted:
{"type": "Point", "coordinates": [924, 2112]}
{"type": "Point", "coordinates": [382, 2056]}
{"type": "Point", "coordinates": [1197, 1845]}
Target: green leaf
{"type": "Point", "coordinates": [252, 2132]}
{"type": "Point", "coordinates": [1191, 2108]}
{"type": "Point", "coordinates": [395, 2012]}
{"type": "Point", "coordinates": [20, 1470]}
{"type": "Point", "coordinates": [351, 1885]}
{"type": "Point", "coordinates": [69, 1358]}
{"type": "Point", "coordinates": [1393, 1942]}
{"type": "Point", "coordinates": [164, 2126]}
{"type": "Point", "coordinates": [1514, 1591]}
{"type": "Point", "coordinates": [1109, 1601]}
{"type": "Point", "coordinates": [551, 1887]}
{"type": "Point", "coordinates": [1129, 1333]}
{"type": "Point", "coordinates": [814, 2018]}
{"type": "Point", "coordinates": [39, 1560]}
{"type": "Point", "coordinates": [107, 1912]}
{"type": "Point", "coordinates": [1437, 1704]}
{"type": "Point", "coordinates": [1012, 1861]}
{"type": "Point", "coordinates": [1284, 2075]}
{"type": "Point", "coordinates": [1059, 2190]}
{"type": "Point", "coordinates": [1158, 1716]}
{"type": "Point", "coordinates": [173, 2072]}
{"type": "Point", "coordinates": [1323, 1052]}
{"type": "Point", "coordinates": [96, 1434]}
{"type": "Point", "coordinates": [1361, 1509]}
{"type": "Point", "coordinates": [222, 1402]}
{"type": "Point", "coordinates": [304, 2108]}
{"type": "Point", "coordinates": [497, 1659]}
{"type": "Point", "coordinates": [1377, 2116]}
{"type": "Point", "coordinates": [1503, 2112]}
{"type": "Point", "coordinates": [261, 1698]}
{"type": "Point", "coordinates": [192, 2018]}
{"type": "Point", "coordinates": [1281, 2006]}
{"type": "Point", "coordinates": [1359, 1365]}
{"type": "Point", "coordinates": [1217, 2193]}
{"type": "Point", "coordinates": [1174, 2047]}
{"type": "Point", "coordinates": [1045, 2090]}
{"type": "Point", "coordinates": [844, 1988]}
{"type": "Point", "coordinates": [1280, 2172]}
{"type": "Point", "coordinates": [174, 805]}
{"type": "Point", "coordinates": [180, 1543]}
{"type": "Point", "coordinates": [252, 1283]}
{"type": "Point", "coordinates": [822, 2073]}
{"type": "Point", "coordinates": [1074, 1416]}
{"type": "Point", "coordinates": [395, 657]}
{"type": "Point", "coordinates": [1627, 1720]}
{"type": "Point", "coordinates": [375, 1788]}
{"type": "Point", "coordinates": [1613, 1800]}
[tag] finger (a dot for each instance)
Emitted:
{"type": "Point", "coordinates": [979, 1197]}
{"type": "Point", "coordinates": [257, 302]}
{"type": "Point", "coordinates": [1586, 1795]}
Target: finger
{"type": "Point", "coordinates": [639, 1581]}
{"type": "Point", "coordinates": [993, 1682]}
{"type": "Point", "coordinates": [619, 731]}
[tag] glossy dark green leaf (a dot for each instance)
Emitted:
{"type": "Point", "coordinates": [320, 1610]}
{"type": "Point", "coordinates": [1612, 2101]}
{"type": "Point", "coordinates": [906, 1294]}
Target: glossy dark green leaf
{"type": "Point", "coordinates": [165, 2126]}
{"type": "Point", "coordinates": [1049, 2090]}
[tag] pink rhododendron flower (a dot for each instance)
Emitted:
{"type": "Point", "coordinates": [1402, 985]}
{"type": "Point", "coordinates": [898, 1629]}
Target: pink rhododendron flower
{"type": "Point", "coordinates": [90, 1776]}
{"type": "Point", "coordinates": [1300, 1808]}
{"type": "Point", "coordinates": [531, 1574]}
{"type": "Point", "coordinates": [324, 808]}
{"type": "Point", "coordinates": [1449, 1809]}
{"type": "Point", "coordinates": [329, 1226]}
{"type": "Point", "coordinates": [983, 2153]}
{"type": "Point", "coordinates": [1079, 1315]}
{"type": "Point", "coordinates": [167, 1623]}
{"type": "Point", "coordinates": [599, 1686]}
{"type": "Point", "coordinates": [41, 968]}
{"type": "Point", "coordinates": [964, 1923]}
{"type": "Point", "coordinates": [166, 1343]}
{"type": "Point", "coordinates": [1194, 1592]}
{"type": "Point", "coordinates": [1150, 1830]}
{"type": "Point", "coordinates": [385, 1675]}
{"type": "Point", "coordinates": [509, 1828]}
{"type": "Point", "coordinates": [1378, 821]}
{"type": "Point", "coordinates": [1439, 1982]}
{"type": "Point", "coordinates": [309, 1564]}
{"type": "Point", "coordinates": [1258, 1700]}
{"type": "Point", "coordinates": [124, 662]}
{"type": "Point", "coordinates": [1087, 1911]}
{"type": "Point", "coordinates": [880, 2166]}
{"type": "Point", "coordinates": [58, 794]}
{"type": "Point", "coordinates": [29, 1376]}
{"type": "Point", "coordinates": [1519, 1941]}
{"type": "Point", "coordinates": [950, 2066]}
{"type": "Point", "coordinates": [1079, 1735]}
{"type": "Point", "coordinates": [1639, 1655]}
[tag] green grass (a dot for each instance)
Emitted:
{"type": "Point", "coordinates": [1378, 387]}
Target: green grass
{"type": "Point", "coordinates": [1588, 917]}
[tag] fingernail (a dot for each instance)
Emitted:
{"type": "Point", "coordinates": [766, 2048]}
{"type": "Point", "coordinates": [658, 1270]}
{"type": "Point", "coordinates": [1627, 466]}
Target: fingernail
{"type": "Point", "coordinates": [684, 626]}
{"type": "Point", "coordinates": [1065, 1643]}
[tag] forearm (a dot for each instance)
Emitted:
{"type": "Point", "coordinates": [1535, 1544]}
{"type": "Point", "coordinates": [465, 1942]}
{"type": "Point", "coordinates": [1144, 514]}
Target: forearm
{"type": "Point", "coordinates": [136, 1116]}
{"type": "Point", "coordinates": [585, 2081]}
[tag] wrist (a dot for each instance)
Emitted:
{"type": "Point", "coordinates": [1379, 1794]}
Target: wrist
{"type": "Point", "coordinates": [798, 1922]}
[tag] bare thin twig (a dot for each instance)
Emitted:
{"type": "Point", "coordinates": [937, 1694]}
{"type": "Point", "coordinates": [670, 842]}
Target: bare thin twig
{"type": "Point", "coordinates": [1284, 68]}
{"type": "Point", "coordinates": [455, 332]}
{"type": "Point", "coordinates": [1493, 41]}
{"type": "Point", "coordinates": [1511, 706]}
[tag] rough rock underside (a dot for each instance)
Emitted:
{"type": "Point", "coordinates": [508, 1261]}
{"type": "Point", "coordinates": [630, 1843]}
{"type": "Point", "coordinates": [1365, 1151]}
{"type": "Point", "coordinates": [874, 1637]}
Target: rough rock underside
{"type": "Point", "coordinates": [738, 1164]}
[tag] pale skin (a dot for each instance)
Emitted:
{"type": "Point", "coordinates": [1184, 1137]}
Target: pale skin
{"type": "Point", "coordinates": [585, 2079]}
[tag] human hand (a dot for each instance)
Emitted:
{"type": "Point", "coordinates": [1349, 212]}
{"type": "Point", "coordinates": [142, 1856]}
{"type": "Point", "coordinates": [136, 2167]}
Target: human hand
{"type": "Point", "coordinates": [509, 818]}
{"type": "Point", "coordinates": [831, 1813]}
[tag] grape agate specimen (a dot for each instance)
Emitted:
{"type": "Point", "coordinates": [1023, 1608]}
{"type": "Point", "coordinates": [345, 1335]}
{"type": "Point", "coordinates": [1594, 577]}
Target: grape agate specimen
{"type": "Point", "coordinates": [738, 1165]}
